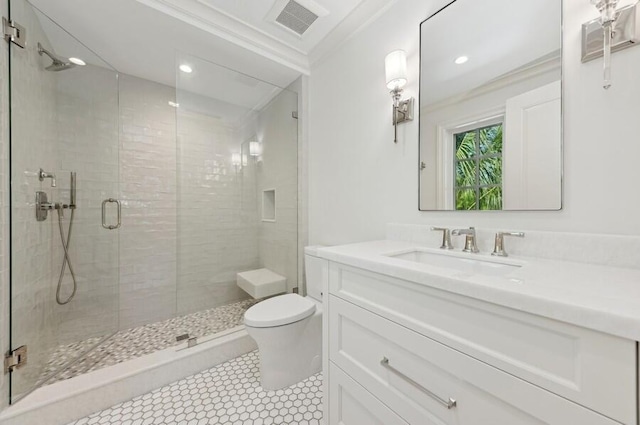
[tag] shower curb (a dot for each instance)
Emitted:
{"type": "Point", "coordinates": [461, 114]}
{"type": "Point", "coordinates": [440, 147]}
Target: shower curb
{"type": "Point", "coordinates": [75, 398]}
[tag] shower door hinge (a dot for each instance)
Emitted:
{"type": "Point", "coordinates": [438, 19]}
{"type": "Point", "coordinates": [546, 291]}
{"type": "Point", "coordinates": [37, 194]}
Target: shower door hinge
{"type": "Point", "coordinates": [15, 359]}
{"type": "Point", "coordinates": [14, 33]}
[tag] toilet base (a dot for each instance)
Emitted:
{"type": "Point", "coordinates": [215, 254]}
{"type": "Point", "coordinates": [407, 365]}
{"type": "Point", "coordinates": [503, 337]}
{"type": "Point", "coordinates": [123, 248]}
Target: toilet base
{"type": "Point", "coordinates": [289, 353]}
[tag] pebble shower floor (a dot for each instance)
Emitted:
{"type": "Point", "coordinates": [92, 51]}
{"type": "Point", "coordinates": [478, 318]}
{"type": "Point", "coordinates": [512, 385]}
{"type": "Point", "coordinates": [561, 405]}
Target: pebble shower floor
{"type": "Point", "coordinates": [135, 342]}
{"type": "Point", "coordinates": [229, 393]}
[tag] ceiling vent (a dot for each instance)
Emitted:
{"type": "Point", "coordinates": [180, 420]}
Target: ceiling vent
{"type": "Point", "coordinates": [296, 15]}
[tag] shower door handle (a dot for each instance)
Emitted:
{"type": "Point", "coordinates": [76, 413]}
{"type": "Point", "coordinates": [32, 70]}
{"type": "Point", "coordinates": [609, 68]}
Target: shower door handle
{"type": "Point", "coordinates": [104, 214]}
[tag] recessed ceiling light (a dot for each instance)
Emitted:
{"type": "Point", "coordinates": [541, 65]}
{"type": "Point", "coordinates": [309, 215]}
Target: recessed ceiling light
{"type": "Point", "coordinates": [77, 61]}
{"type": "Point", "coordinates": [460, 60]}
{"type": "Point", "coordinates": [186, 68]}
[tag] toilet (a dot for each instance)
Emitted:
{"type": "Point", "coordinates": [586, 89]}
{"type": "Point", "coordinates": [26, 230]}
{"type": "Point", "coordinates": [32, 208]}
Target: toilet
{"type": "Point", "coordinates": [288, 330]}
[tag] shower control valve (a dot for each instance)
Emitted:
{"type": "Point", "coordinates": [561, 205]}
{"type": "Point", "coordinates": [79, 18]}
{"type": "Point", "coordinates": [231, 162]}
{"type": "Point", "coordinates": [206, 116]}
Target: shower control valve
{"type": "Point", "coordinates": [42, 206]}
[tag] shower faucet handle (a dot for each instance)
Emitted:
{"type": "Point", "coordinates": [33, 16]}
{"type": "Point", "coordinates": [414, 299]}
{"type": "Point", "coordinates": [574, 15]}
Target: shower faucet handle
{"type": "Point", "coordinates": [446, 237]}
{"type": "Point", "coordinates": [47, 175]}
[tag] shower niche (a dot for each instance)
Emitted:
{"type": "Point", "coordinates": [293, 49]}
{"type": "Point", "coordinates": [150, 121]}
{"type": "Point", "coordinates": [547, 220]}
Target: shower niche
{"type": "Point", "coordinates": [269, 205]}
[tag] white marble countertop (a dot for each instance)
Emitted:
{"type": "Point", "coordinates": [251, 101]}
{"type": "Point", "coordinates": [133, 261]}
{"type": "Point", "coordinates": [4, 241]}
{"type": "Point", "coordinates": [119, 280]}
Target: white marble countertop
{"type": "Point", "coordinates": [601, 298]}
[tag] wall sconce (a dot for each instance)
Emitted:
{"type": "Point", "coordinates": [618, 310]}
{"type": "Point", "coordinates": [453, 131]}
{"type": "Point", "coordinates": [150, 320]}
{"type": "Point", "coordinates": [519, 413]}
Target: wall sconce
{"type": "Point", "coordinates": [254, 149]}
{"type": "Point", "coordinates": [236, 160]}
{"type": "Point", "coordinates": [614, 30]}
{"type": "Point", "coordinates": [395, 66]}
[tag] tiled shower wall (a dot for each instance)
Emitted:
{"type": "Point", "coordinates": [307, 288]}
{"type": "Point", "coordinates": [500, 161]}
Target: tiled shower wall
{"type": "Point", "coordinates": [86, 142]}
{"type": "Point", "coordinates": [33, 123]}
{"type": "Point", "coordinates": [175, 257]}
{"type": "Point", "coordinates": [217, 216]}
{"type": "Point", "coordinates": [148, 191]}
{"type": "Point", "coordinates": [276, 130]}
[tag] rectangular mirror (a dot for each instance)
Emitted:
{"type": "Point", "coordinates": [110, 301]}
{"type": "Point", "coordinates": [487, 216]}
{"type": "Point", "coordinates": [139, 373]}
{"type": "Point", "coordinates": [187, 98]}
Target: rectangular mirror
{"type": "Point", "coordinates": [491, 106]}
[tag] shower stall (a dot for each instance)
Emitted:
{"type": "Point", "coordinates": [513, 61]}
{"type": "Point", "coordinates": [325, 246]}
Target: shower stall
{"type": "Point", "coordinates": [135, 202]}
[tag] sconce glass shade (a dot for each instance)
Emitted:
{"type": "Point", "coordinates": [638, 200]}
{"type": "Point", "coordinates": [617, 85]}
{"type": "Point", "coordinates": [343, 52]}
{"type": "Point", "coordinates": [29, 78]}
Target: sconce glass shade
{"type": "Point", "coordinates": [395, 66]}
{"type": "Point", "coordinates": [236, 159]}
{"type": "Point", "coordinates": [607, 9]}
{"type": "Point", "coordinates": [254, 148]}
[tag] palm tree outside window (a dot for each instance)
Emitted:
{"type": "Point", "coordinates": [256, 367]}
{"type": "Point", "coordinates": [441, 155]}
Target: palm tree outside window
{"type": "Point", "coordinates": [478, 168]}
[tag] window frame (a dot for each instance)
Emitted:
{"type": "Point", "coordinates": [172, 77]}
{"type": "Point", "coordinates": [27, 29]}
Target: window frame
{"type": "Point", "coordinates": [477, 158]}
{"type": "Point", "coordinates": [446, 196]}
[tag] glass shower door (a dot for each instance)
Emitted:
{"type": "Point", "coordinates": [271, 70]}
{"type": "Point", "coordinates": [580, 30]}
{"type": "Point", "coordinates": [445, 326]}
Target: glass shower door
{"type": "Point", "coordinates": [64, 189]}
{"type": "Point", "coordinates": [237, 190]}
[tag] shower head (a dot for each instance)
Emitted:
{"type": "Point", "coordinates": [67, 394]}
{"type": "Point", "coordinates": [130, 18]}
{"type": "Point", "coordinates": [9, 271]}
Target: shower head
{"type": "Point", "coordinates": [59, 63]}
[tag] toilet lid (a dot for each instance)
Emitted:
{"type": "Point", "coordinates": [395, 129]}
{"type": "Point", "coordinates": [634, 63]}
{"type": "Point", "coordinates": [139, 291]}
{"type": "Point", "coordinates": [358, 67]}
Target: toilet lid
{"type": "Point", "coordinates": [278, 311]}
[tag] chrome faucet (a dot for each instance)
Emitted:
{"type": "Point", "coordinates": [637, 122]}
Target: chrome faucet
{"type": "Point", "coordinates": [470, 239]}
{"type": "Point", "coordinates": [498, 248]}
{"type": "Point", "coordinates": [45, 175]}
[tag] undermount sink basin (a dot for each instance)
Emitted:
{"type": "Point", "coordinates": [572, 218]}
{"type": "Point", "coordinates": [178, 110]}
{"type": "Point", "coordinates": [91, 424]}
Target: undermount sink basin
{"type": "Point", "coordinates": [467, 265]}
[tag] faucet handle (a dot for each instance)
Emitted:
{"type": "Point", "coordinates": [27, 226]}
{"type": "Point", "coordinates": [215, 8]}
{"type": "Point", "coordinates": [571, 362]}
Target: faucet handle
{"type": "Point", "coordinates": [470, 244]}
{"type": "Point", "coordinates": [498, 248]}
{"type": "Point", "coordinates": [446, 237]}
{"type": "Point", "coordinates": [45, 175]}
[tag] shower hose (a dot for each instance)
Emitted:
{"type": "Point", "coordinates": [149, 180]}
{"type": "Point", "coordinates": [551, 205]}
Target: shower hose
{"type": "Point", "coordinates": [67, 259]}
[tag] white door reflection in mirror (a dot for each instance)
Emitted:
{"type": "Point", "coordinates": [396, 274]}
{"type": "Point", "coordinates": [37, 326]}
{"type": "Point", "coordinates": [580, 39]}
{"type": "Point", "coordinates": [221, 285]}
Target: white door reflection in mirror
{"type": "Point", "coordinates": [532, 158]}
{"type": "Point", "coordinates": [491, 106]}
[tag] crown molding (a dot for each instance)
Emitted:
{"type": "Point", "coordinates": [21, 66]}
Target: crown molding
{"type": "Point", "coordinates": [549, 63]}
{"type": "Point", "coordinates": [358, 19]}
{"type": "Point", "coordinates": [216, 22]}
{"type": "Point", "coordinates": [207, 17]}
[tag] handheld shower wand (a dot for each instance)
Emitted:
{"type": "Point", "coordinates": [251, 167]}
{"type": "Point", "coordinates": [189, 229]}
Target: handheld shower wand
{"type": "Point", "coordinates": [72, 189]}
{"type": "Point", "coordinates": [66, 241]}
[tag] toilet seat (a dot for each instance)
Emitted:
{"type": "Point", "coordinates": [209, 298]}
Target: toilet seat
{"type": "Point", "coordinates": [279, 311]}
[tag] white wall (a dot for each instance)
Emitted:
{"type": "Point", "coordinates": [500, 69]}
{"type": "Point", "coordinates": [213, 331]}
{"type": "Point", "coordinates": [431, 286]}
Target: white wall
{"type": "Point", "coordinates": [360, 180]}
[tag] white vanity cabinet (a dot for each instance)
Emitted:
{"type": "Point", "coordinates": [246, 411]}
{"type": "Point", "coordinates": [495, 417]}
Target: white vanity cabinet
{"type": "Point", "coordinates": [402, 352]}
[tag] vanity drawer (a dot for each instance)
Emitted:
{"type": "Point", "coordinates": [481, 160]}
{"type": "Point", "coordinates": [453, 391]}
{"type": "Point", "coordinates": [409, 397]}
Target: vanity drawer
{"type": "Point", "coordinates": [593, 369]}
{"type": "Point", "coordinates": [350, 404]}
{"type": "Point", "coordinates": [422, 376]}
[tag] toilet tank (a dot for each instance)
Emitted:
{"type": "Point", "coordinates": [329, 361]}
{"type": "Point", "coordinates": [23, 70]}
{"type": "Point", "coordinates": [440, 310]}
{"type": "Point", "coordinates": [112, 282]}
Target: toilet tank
{"type": "Point", "coordinates": [316, 272]}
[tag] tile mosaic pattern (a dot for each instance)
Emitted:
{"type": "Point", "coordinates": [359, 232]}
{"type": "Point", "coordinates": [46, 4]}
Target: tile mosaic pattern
{"type": "Point", "coordinates": [135, 342]}
{"type": "Point", "coordinates": [229, 393]}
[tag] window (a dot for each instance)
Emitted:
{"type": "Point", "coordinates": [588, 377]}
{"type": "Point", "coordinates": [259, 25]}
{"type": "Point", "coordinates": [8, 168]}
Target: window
{"type": "Point", "coordinates": [478, 168]}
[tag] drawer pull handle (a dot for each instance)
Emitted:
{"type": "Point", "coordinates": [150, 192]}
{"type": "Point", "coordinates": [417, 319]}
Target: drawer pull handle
{"type": "Point", "coordinates": [449, 404]}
